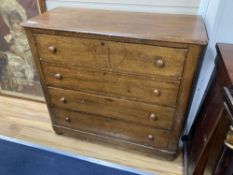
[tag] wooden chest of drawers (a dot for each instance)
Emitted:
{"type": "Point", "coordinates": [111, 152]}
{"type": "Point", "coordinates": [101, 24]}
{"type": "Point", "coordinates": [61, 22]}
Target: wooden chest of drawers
{"type": "Point", "coordinates": [122, 78]}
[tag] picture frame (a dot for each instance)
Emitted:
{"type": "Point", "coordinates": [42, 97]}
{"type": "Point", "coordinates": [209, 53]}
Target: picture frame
{"type": "Point", "coordinates": [42, 6]}
{"type": "Point", "coordinates": [18, 76]}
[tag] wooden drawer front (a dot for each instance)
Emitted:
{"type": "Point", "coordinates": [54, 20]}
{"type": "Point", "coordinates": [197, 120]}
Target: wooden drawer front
{"type": "Point", "coordinates": [124, 57]}
{"type": "Point", "coordinates": [71, 51]}
{"type": "Point", "coordinates": [130, 87]}
{"type": "Point", "coordinates": [151, 115]}
{"type": "Point", "coordinates": [146, 59]}
{"type": "Point", "coordinates": [113, 128]}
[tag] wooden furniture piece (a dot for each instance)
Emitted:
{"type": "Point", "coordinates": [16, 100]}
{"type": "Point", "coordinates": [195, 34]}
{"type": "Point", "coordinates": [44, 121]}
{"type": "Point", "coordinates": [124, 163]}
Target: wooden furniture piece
{"type": "Point", "coordinates": [122, 78]}
{"type": "Point", "coordinates": [210, 147]}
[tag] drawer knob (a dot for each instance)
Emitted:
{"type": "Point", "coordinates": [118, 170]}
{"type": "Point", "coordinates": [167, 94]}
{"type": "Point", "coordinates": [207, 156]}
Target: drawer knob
{"type": "Point", "coordinates": [63, 100]}
{"type": "Point", "coordinates": [159, 62]}
{"type": "Point", "coordinates": [67, 119]}
{"type": "Point", "coordinates": [156, 92]}
{"type": "Point", "coordinates": [58, 76]}
{"type": "Point", "coordinates": [153, 117]}
{"type": "Point", "coordinates": [204, 139]}
{"type": "Point", "coordinates": [150, 137]}
{"type": "Point", "coordinates": [52, 49]}
{"type": "Point", "coordinates": [82, 101]}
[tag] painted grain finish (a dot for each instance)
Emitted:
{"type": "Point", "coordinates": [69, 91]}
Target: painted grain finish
{"type": "Point", "coordinates": [177, 39]}
{"type": "Point", "coordinates": [126, 25]}
{"type": "Point", "coordinates": [112, 84]}
{"type": "Point", "coordinates": [141, 113]}
{"type": "Point", "coordinates": [112, 128]}
{"type": "Point", "coordinates": [117, 56]}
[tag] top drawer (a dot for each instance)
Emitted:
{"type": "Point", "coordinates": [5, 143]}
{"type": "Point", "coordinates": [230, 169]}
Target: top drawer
{"type": "Point", "coordinates": [117, 56]}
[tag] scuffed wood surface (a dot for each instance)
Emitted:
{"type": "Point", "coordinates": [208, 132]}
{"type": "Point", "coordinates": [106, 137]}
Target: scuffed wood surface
{"type": "Point", "coordinates": [149, 26]}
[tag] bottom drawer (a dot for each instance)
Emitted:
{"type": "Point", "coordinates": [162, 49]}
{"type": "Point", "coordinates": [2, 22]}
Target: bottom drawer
{"type": "Point", "coordinates": [111, 127]}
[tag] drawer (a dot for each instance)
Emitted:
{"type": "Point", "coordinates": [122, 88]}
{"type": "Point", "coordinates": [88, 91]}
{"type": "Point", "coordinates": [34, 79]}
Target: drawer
{"type": "Point", "coordinates": [112, 84]}
{"type": "Point", "coordinates": [117, 56]}
{"type": "Point", "coordinates": [112, 128]}
{"type": "Point", "coordinates": [71, 51]}
{"type": "Point", "coordinates": [146, 59]}
{"type": "Point", "coordinates": [146, 114]}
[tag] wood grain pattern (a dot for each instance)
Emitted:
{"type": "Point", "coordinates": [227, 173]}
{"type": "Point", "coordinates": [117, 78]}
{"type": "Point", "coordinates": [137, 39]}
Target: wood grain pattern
{"type": "Point", "coordinates": [113, 107]}
{"type": "Point", "coordinates": [206, 125]}
{"type": "Point", "coordinates": [142, 65]}
{"type": "Point", "coordinates": [107, 38]}
{"type": "Point", "coordinates": [225, 51]}
{"type": "Point", "coordinates": [144, 59]}
{"type": "Point", "coordinates": [72, 51]}
{"type": "Point", "coordinates": [116, 143]}
{"type": "Point", "coordinates": [107, 83]}
{"type": "Point", "coordinates": [42, 5]}
{"type": "Point", "coordinates": [116, 56]}
{"type": "Point", "coordinates": [147, 26]}
{"type": "Point", "coordinates": [36, 59]}
{"type": "Point", "coordinates": [112, 128]}
{"type": "Point", "coordinates": [184, 93]}
{"type": "Point", "coordinates": [30, 121]}
{"type": "Point", "coordinates": [214, 120]}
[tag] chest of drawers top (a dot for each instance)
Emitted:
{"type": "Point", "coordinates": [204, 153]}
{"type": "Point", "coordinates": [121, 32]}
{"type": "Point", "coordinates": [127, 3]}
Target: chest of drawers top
{"type": "Point", "coordinates": [130, 26]}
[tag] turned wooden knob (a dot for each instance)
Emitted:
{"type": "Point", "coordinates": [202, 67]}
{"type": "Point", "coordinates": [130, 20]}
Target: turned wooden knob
{"type": "Point", "coordinates": [153, 117]}
{"type": "Point", "coordinates": [67, 119]}
{"type": "Point", "coordinates": [58, 76]}
{"type": "Point", "coordinates": [204, 139]}
{"type": "Point", "coordinates": [82, 101]}
{"type": "Point", "coordinates": [63, 100]}
{"type": "Point", "coordinates": [156, 92]}
{"type": "Point", "coordinates": [52, 49]}
{"type": "Point", "coordinates": [159, 62]}
{"type": "Point", "coordinates": [150, 137]}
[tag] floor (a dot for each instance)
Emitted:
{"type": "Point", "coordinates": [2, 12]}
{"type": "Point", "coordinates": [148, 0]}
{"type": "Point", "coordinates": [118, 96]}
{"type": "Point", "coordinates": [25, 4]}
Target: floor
{"type": "Point", "coordinates": [29, 121]}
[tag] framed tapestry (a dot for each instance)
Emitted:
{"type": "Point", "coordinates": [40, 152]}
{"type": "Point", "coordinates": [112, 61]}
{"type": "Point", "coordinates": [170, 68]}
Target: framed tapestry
{"type": "Point", "coordinates": [18, 76]}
